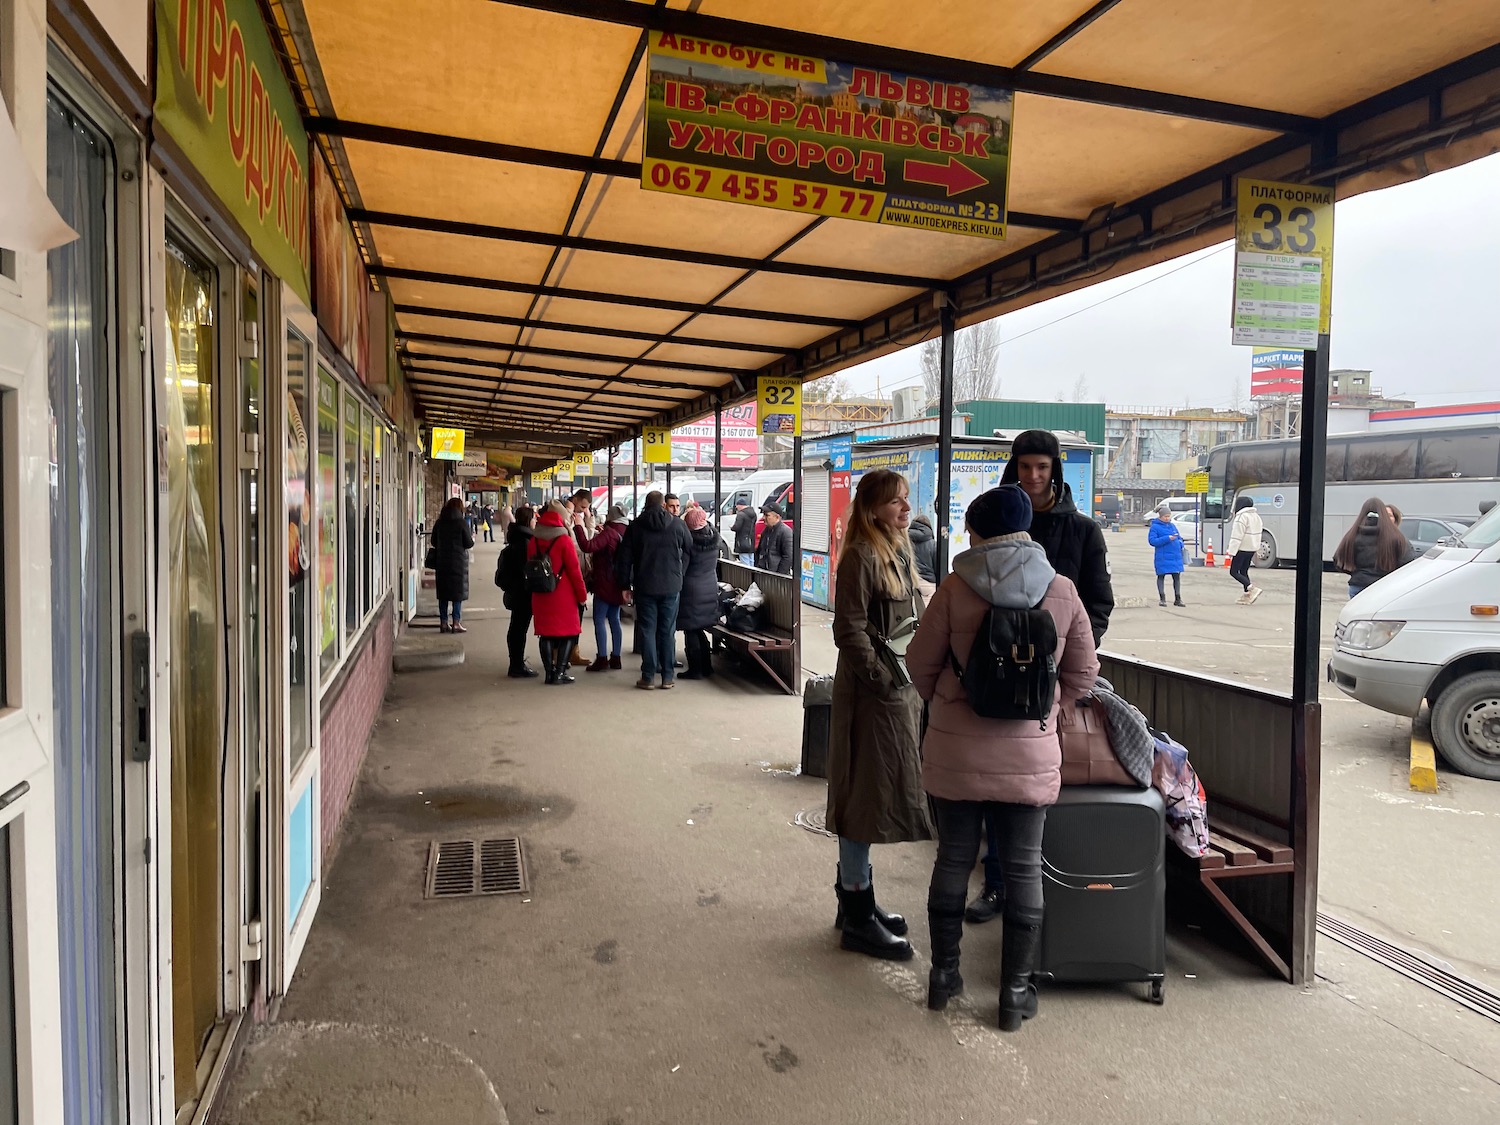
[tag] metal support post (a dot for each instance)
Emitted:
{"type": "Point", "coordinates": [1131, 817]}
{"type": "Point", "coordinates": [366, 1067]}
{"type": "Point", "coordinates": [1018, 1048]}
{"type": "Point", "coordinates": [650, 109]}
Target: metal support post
{"type": "Point", "coordinates": [635, 479]}
{"type": "Point", "coordinates": [943, 503]}
{"type": "Point", "coordinates": [718, 463]}
{"type": "Point", "coordinates": [609, 481]}
{"type": "Point", "coordinates": [1307, 715]}
{"type": "Point", "coordinates": [794, 512]}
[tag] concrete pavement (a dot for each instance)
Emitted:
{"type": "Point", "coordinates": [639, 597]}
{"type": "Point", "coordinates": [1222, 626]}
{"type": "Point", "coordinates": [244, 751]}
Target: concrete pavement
{"type": "Point", "coordinates": [675, 961]}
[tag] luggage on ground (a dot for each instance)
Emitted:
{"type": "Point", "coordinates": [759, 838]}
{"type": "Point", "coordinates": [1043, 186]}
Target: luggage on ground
{"type": "Point", "coordinates": [1105, 885]}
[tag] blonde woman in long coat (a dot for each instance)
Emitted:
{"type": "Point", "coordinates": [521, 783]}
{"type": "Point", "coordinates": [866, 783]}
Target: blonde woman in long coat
{"type": "Point", "coordinates": [875, 791]}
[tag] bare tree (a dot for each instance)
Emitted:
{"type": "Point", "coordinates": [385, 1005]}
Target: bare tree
{"type": "Point", "coordinates": [1081, 388]}
{"type": "Point", "coordinates": [1236, 397]}
{"type": "Point", "coordinates": [830, 388]}
{"type": "Point", "coordinates": [976, 362]}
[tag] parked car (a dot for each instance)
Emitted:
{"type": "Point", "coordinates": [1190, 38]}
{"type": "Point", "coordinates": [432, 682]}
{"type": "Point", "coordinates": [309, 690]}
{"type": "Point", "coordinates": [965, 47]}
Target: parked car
{"type": "Point", "coordinates": [1430, 631]}
{"type": "Point", "coordinates": [1425, 532]}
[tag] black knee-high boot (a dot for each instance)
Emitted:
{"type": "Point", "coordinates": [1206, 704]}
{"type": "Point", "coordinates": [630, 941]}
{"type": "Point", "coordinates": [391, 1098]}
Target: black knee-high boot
{"type": "Point", "coordinates": [563, 648]}
{"type": "Point", "coordinates": [1018, 953]}
{"type": "Point", "coordinates": [549, 658]}
{"type": "Point", "coordinates": [945, 924]}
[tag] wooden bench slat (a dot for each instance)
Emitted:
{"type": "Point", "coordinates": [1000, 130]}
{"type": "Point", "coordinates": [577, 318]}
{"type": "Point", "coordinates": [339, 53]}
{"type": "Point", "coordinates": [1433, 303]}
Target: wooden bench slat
{"type": "Point", "coordinates": [1210, 860]}
{"type": "Point", "coordinates": [1237, 854]}
{"type": "Point", "coordinates": [1267, 850]}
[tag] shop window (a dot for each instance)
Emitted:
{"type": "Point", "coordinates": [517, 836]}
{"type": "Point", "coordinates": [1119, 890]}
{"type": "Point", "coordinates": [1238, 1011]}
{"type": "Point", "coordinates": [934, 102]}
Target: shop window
{"type": "Point", "coordinates": [352, 508]}
{"type": "Point", "coordinates": [377, 565]}
{"type": "Point", "coordinates": [328, 521]}
{"type": "Point", "coordinates": [299, 518]}
{"type": "Point", "coordinates": [366, 511]}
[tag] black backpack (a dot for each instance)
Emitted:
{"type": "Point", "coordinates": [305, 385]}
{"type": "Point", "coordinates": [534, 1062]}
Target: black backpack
{"type": "Point", "coordinates": [1012, 670]}
{"type": "Point", "coordinates": [541, 578]}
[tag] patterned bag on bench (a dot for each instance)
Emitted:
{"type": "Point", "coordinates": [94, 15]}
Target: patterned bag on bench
{"type": "Point", "coordinates": [1187, 804]}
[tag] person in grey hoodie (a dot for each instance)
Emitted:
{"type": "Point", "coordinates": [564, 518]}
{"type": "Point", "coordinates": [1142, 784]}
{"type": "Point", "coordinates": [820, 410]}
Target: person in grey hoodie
{"type": "Point", "coordinates": [1007, 769]}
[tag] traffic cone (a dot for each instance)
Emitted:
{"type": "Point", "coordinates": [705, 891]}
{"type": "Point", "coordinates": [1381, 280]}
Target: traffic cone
{"type": "Point", "coordinates": [1210, 560]}
{"type": "Point", "coordinates": [1228, 561]}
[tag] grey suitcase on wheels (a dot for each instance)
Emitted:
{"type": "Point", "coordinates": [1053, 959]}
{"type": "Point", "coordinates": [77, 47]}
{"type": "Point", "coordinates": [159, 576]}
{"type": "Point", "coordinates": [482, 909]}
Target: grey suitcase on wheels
{"type": "Point", "coordinates": [1104, 880]}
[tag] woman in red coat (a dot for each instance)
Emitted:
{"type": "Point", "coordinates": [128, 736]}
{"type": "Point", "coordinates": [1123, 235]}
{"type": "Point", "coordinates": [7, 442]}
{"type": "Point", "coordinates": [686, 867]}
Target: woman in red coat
{"type": "Point", "coordinates": [559, 614]}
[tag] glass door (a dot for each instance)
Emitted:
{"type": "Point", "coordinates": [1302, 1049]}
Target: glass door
{"type": "Point", "coordinates": [196, 638]}
{"type": "Point", "coordinates": [298, 820]}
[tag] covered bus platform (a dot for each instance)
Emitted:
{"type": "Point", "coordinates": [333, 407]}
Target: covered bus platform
{"type": "Point", "coordinates": [672, 959]}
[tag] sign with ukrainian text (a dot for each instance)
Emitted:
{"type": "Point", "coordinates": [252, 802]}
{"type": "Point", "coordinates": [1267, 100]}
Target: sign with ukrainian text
{"type": "Point", "coordinates": [446, 444]}
{"type": "Point", "coordinates": [745, 125]}
{"type": "Point", "coordinates": [1283, 263]}
{"type": "Point", "coordinates": [583, 463]}
{"type": "Point", "coordinates": [221, 95]}
{"type": "Point", "coordinates": [779, 406]}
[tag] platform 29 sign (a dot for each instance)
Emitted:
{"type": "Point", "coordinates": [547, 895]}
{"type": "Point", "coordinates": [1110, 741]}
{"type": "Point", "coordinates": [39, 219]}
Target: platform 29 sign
{"type": "Point", "coordinates": [746, 125]}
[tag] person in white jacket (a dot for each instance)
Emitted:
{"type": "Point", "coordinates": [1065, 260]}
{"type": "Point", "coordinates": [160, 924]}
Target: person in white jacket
{"type": "Point", "coordinates": [1244, 541]}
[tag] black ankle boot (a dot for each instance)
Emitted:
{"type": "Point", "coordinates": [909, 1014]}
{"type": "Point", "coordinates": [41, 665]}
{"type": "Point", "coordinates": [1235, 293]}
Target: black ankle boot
{"type": "Point", "coordinates": [862, 931]}
{"type": "Point", "coordinates": [893, 922]}
{"type": "Point", "coordinates": [1018, 954]}
{"type": "Point", "coordinates": [946, 926]}
{"type": "Point", "coordinates": [562, 661]}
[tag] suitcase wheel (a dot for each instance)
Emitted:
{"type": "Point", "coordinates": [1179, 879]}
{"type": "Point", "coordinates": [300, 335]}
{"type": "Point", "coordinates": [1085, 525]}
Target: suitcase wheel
{"type": "Point", "coordinates": [1158, 992]}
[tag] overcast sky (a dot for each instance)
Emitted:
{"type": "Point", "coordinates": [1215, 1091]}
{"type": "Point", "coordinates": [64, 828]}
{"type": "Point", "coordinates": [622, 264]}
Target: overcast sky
{"type": "Point", "coordinates": [1416, 299]}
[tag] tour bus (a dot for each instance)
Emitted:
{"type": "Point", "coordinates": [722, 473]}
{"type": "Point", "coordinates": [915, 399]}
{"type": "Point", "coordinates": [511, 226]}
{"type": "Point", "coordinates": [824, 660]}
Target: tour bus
{"type": "Point", "coordinates": [1431, 631]}
{"type": "Point", "coordinates": [1442, 474]}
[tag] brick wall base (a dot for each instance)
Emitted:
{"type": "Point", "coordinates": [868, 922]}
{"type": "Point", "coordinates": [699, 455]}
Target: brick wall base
{"type": "Point", "coordinates": [347, 721]}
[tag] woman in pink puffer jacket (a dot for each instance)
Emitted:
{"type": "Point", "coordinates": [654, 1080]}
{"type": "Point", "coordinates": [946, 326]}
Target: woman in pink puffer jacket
{"type": "Point", "coordinates": [1010, 768]}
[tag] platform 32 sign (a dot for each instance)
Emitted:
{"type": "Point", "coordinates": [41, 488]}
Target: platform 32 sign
{"type": "Point", "coordinates": [767, 129]}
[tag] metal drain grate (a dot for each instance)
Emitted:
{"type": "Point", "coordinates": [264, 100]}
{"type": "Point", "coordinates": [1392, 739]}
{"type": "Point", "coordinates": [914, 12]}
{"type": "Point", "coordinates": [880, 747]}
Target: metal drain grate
{"type": "Point", "coordinates": [814, 820]}
{"type": "Point", "coordinates": [462, 868]}
{"type": "Point", "coordinates": [1470, 994]}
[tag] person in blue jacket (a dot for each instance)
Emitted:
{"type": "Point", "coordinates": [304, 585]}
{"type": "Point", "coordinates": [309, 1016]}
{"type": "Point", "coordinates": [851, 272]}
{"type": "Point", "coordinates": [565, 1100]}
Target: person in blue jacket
{"type": "Point", "coordinates": [1167, 540]}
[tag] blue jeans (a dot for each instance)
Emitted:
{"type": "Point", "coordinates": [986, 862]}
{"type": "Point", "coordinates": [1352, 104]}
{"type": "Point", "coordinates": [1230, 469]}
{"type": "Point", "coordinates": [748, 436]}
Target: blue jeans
{"type": "Point", "coordinates": [854, 864]}
{"type": "Point", "coordinates": [657, 614]}
{"type": "Point", "coordinates": [443, 610]}
{"type": "Point", "coordinates": [747, 557]}
{"type": "Point", "coordinates": [606, 614]}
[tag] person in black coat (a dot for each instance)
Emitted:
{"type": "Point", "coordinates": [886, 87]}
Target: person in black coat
{"type": "Point", "coordinates": [649, 566]}
{"type": "Point", "coordinates": [451, 542]}
{"type": "Point", "coordinates": [1075, 548]}
{"type": "Point", "coordinates": [1073, 542]}
{"type": "Point", "coordinates": [924, 547]}
{"type": "Point", "coordinates": [510, 576]}
{"type": "Point", "coordinates": [744, 533]}
{"type": "Point", "coordinates": [774, 552]}
{"type": "Point", "coordinates": [698, 611]}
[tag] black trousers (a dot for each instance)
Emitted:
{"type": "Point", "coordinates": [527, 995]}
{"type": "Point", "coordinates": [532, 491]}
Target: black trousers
{"type": "Point", "coordinates": [699, 655]}
{"type": "Point", "coordinates": [520, 626]}
{"type": "Point", "coordinates": [1239, 569]}
{"type": "Point", "coordinates": [1018, 831]}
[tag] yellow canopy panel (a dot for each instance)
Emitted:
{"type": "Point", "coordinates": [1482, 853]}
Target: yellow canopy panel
{"type": "Point", "coordinates": [567, 267]}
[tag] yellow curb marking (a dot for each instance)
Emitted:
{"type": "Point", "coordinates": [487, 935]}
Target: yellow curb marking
{"type": "Point", "coordinates": [1422, 776]}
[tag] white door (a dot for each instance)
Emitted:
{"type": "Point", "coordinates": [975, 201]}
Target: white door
{"type": "Point", "coordinates": [299, 862]}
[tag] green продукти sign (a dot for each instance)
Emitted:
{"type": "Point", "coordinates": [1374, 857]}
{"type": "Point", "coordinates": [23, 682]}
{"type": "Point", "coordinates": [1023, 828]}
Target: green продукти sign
{"type": "Point", "coordinates": [221, 95]}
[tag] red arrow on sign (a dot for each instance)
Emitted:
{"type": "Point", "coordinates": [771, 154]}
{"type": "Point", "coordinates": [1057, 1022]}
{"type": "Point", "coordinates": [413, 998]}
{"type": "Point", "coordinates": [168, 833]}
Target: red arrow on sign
{"type": "Point", "coordinates": [956, 177]}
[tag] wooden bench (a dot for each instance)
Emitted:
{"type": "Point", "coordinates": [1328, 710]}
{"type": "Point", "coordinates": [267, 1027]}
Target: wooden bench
{"type": "Point", "coordinates": [1261, 867]}
{"type": "Point", "coordinates": [1237, 853]}
{"type": "Point", "coordinates": [773, 644]}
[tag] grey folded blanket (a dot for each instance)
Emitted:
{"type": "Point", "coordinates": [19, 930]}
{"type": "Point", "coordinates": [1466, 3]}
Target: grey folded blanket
{"type": "Point", "coordinates": [1129, 733]}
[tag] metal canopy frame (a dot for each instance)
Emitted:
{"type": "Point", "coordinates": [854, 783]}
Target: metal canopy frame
{"type": "Point", "coordinates": [1359, 145]}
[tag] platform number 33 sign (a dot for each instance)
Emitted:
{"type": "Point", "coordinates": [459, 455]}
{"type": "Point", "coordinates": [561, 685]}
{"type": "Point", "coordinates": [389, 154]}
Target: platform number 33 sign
{"type": "Point", "coordinates": [780, 407]}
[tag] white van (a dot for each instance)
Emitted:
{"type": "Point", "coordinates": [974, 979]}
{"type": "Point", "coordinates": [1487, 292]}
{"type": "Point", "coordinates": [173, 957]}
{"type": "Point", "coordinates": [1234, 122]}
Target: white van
{"type": "Point", "coordinates": [1431, 631]}
{"type": "Point", "coordinates": [760, 487]}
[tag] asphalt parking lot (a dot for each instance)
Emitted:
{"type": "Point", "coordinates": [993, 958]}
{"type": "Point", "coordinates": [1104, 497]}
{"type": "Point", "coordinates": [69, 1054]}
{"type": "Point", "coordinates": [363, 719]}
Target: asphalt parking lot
{"type": "Point", "coordinates": [1416, 869]}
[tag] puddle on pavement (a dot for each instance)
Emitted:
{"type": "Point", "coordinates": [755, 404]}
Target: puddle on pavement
{"type": "Point", "coordinates": [500, 805]}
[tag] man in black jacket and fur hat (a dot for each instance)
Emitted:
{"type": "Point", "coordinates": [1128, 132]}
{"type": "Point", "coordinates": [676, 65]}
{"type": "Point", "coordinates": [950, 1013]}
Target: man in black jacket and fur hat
{"type": "Point", "coordinates": [1075, 548]}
